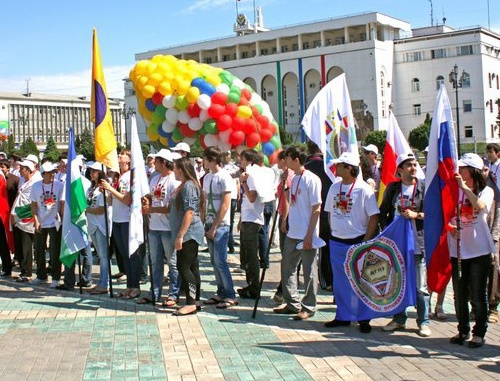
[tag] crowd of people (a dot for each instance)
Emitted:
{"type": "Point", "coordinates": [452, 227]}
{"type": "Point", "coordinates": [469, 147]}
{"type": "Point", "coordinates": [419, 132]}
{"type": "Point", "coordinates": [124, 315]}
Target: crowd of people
{"type": "Point", "coordinates": [192, 203]}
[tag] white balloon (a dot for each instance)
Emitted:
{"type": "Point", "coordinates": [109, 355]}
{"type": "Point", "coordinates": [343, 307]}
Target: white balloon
{"type": "Point", "coordinates": [224, 146]}
{"type": "Point", "coordinates": [172, 115]}
{"type": "Point", "coordinates": [167, 126]}
{"type": "Point", "coordinates": [195, 124]}
{"type": "Point", "coordinates": [240, 149]}
{"type": "Point", "coordinates": [223, 88]}
{"type": "Point", "coordinates": [204, 101]}
{"type": "Point", "coordinates": [183, 116]}
{"type": "Point", "coordinates": [255, 99]}
{"type": "Point", "coordinates": [238, 82]}
{"type": "Point", "coordinates": [169, 101]}
{"type": "Point", "coordinates": [204, 115]}
{"type": "Point", "coordinates": [211, 140]}
{"type": "Point", "coordinates": [224, 135]}
{"type": "Point", "coordinates": [189, 140]}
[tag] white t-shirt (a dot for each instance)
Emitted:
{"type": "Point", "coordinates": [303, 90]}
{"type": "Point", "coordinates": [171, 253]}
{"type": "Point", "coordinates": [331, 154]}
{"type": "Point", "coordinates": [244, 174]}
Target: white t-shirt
{"type": "Point", "coordinates": [61, 177]}
{"type": "Point", "coordinates": [215, 186]}
{"type": "Point", "coordinates": [350, 207]}
{"type": "Point", "coordinates": [121, 212]}
{"type": "Point", "coordinates": [162, 188]}
{"type": "Point", "coordinates": [252, 212]}
{"type": "Point", "coordinates": [409, 198]}
{"type": "Point", "coordinates": [475, 236]}
{"type": "Point", "coordinates": [95, 199]}
{"type": "Point", "coordinates": [48, 198]}
{"type": "Point", "coordinates": [305, 192]}
{"type": "Point", "coordinates": [495, 172]}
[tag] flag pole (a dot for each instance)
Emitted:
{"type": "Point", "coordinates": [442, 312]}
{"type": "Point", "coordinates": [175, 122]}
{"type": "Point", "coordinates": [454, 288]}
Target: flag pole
{"type": "Point", "coordinates": [108, 240]}
{"type": "Point", "coordinates": [79, 259]}
{"type": "Point", "coordinates": [145, 226]}
{"type": "Point", "coordinates": [459, 253]}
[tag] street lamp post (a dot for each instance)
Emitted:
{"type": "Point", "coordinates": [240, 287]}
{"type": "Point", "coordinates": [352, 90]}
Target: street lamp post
{"type": "Point", "coordinates": [457, 82]}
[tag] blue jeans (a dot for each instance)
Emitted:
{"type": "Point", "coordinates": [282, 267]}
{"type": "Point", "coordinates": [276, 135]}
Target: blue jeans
{"type": "Point", "coordinates": [264, 235]}
{"type": "Point", "coordinates": [131, 263]}
{"type": "Point", "coordinates": [161, 246]}
{"type": "Point", "coordinates": [86, 262]}
{"type": "Point", "coordinates": [218, 257]}
{"type": "Point", "coordinates": [100, 242]}
{"type": "Point", "coordinates": [423, 296]}
{"type": "Point", "coordinates": [472, 283]}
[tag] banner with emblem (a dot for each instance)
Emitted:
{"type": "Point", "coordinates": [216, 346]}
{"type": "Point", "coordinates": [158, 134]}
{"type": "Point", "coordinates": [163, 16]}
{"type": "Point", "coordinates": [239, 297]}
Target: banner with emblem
{"type": "Point", "coordinates": [375, 278]}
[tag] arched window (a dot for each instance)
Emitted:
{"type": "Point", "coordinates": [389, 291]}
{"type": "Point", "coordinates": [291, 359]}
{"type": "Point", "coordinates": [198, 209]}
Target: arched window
{"type": "Point", "coordinates": [415, 85]}
{"type": "Point", "coordinates": [439, 81]}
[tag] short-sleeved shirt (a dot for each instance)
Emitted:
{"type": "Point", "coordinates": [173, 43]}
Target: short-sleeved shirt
{"type": "Point", "coordinates": [121, 212]}
{"type": "Point", "coordinates": [252, 211]}
{"type": "Point", "coordinates": [48, 198]}
{"type": "Point", "coordinates": [215, 186]}
{"type": "Point", "coordinates": [95, 199]}
{"type": "Point", "coordinates": [162, 188]}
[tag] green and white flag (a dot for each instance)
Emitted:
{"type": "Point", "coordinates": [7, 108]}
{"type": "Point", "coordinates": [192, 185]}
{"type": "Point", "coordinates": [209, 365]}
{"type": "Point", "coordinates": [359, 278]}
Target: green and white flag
{"type": "Point", "coordinates": [74, 226]}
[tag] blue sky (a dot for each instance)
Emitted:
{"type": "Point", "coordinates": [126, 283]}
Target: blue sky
{"type": "Point", "coordinates": [49, 42]}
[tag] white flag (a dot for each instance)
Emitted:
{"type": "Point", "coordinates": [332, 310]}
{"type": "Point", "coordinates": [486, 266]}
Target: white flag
{"type": "Point", "coordinates": [138, 187]}
{"type": "Point", "coordinates": [329, 122]}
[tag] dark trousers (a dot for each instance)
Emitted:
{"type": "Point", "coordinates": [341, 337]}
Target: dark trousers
{"type": "Point", "coordinates": [189, 271]}
{"type": "Point", "coordinates": [26, 263]}
{"type": "Point", "coordinates": [131, 263]}
{"type": "Point", "coordinates": [264, 235]}
{"type": "Point", "coordinates": [113, 249]}
{"type": "Point", "coordinates": [54, 250]}
{"type": "Point", "coordinates": [472, 284]}
{"type": "Point", "coordinates": [230, 243]}
{"type": "Point", "coordinates": [325, 266]}
{"type": "Point", "coordinates": [4, 251]}
{"type": "Point", "coordinates": [249, 254]}
{"type": "Point", "coordinates": [18, 244]}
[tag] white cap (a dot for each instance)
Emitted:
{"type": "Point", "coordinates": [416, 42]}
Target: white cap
{"type": "Point", "coordinates": [96, 166]}
{"type": "Point", "coordinates": [3, 153]}
{"type": "Point", "coordinates": [471, 160]}
{"type": "Point", "coordinates": [32, 158]}
{"type": "Point", "coordinates": [47, 167]}
{"type": "Point", "coordinates": [65, 161]}
{"type": "Point", "coordinates": [426, 149]}
{"type": "Point", "coordinates": [199, 160]}
{"type": "Point", "coordinates": [371, 148]}
{"type": "Point", "coordinates": [349, 158]}
{"type": "Point", "coordinates": [404, 157]}
{"type": "Point", "coordinates": [164, 154]}
{"type": "Point", "coordinates": [27, 163]}
{"type": "Point", "coordinates": [182, 146]}
{"type": "Point", "coordinates": [176, 155]}
{"type": "Point", "coordinates": [81, 157]}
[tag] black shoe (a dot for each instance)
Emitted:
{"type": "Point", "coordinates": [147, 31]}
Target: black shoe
{"type": "Point", "coordinates": [230, 250]}
{"type": "Point", "coordinates": [64, 288]}
{"type": "Point", "coordinates": [476, 342]}
{"type": "Point", "coordinates": [84, 284]}
{"type": "Point", "coordinates": [285, 311]}
{"type": "Point", "coordinates": [459, 338]}
{"type": "Point", "coordinates": [144, 279]}
{"type": "Point", "coordinates": [337, 323]}
{"type": "Point", "coordinates": [365, 327]}
{"type": "Point", "coordinates": [3, 274]}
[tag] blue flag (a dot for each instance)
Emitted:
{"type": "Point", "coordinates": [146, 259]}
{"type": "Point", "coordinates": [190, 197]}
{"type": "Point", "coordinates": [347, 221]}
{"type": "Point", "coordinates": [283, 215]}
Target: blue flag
{"type": "Point", "coordinates": [375, 278]}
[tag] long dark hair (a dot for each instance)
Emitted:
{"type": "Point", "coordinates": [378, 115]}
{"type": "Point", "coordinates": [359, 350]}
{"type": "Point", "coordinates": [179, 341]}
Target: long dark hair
{"type": "Point", "coordinates": [479, 179]}
{"type": "Point", "coordinates": [185, 165]}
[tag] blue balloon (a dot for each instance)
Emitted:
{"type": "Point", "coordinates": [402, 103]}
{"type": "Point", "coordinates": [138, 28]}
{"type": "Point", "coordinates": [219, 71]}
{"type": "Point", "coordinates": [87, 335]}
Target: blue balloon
{"type": "Point", "coordinates": [203, 86]}
{"type": "Point", "coordinates": [268, 148]}
{"type": "Point", "coordinates": [150, 105]}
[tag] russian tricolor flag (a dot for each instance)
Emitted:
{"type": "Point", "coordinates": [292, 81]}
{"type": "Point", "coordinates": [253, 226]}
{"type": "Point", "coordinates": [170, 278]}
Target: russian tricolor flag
{"type": "Point", "coordinates": [441, 193]}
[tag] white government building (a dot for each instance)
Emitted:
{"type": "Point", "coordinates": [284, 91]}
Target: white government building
{"type": "Point", "coordinates": [387, 64]}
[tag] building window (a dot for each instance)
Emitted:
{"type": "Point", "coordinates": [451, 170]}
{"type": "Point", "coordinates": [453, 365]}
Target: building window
{"type": "Point", "coordinates": [284, 48]}
{"type": "Point", "coordinates": [467, 104]}
{"type": "Point", "coordinates": [469, 131]}
{"type": "Point", "coordinates": [417, 109]}
{"type": "Point", "coordinates": [438, 53]}
{"type": "Point", "coordinates": [491, 106]}
{"type": "Point", "coordinates": [295, 47]}
{"type": "Point", "coordinates": [244, 54]}
{"type": "Point", "coordinates": [413, 56]}
{"type": "Point", "coordinates": [264, 52]}
{"type": "Point", "coordinates": [489, 79]}
{"type": "Point", "coordinates": [464, 50]}
{"type": "Point", "coordinates": [465, 80]}
{"type": "Point", "coordinates": [439, 81]}
{"type": "Point", "coordinates": [384, 114]}
{"type": "Point", "coordinates": [492, 131]}
{"type": "Point", "coordinates": [305, 45]}
{"type": "Point", "coordinates": [207, 60]}
{"type": "Point", "coordinates": [415, 85]}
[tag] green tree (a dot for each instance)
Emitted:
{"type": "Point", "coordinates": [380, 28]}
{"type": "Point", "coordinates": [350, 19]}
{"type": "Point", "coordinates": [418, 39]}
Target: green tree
{"type": "Point", "coordinates": [11, 146]}
{"type": "Point", "coordinates": [378, 138]}
{"type": "Point", "coordinates": [51, 151]}
{"type": "Point", "coordinates": [419, 136]}
{"type": "Point", "coordinates": [86, 146]}
{"type": "Point", "coordinates": [285, 137]}
{"type": "Point", "coordinates": [28, 147]}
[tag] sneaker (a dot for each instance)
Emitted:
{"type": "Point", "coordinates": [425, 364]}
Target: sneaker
{"type": "Point", "coordinates": [38, 281]}
{"type": "Point", "coordinates": [54, 283]}
{"type": "Point", "coordinates": [393, 326]}
{"type": "Point", "coordinates": [493, 317]}
{"type": "Point", "coordinates": [23, 279]}
{"type": "Point", "coordinates": [424, 330]}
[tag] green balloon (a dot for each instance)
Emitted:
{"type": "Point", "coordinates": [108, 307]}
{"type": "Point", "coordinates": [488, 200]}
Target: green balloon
{"type": "Point", "coordinates": [177, 135]}
{"type": "Point", "coordinates": [181, 103]}
{"type": "Point", "coordinates": [235, 89]}
{"type": "Point", "coordinates": [203, 131]}
{"type": "Point", "coordinates": [157, 119]}
{"type": "Point", "coordinates": [259, 109]}
{"type": "Point", "coordinates": [210, 126]}
{"type": "Point", "coordinates": [233, 97]}
{"type": "Point", "coordinates": [266, 161]}
{"type": "Point", "coordinates": [276, 141]}
{"type": "Point", "coordinates": [161, 110]}
{"type": "Point", "coordinates": [226, 77]}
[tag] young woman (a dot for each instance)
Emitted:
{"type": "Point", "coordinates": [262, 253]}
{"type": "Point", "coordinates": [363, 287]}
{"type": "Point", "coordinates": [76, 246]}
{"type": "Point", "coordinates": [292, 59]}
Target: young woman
{"type": "Point", "coordinates": [476, 245]}
{"type": "Point", "coordinates": [185, 206]}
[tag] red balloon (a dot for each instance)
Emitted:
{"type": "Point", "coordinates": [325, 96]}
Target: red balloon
{"type": "Point", "coordinates": [202, 142]}
{"type": "Point", "coordinates": [255, 112]}
{"type": "Point", "coordinates": [252, 140]}
{"type": "Point", "coordinates": [216, 110]}
{"type": "Point", "coordinates": [272, 127]}
{"type": "Point", "coordinates": [265, 135]}
{"type": "Point", "coordinates": [224, 122]}
{"type": "Point", "coordinates": [246, 93]}
{"type": "Point", "coordinates": [238, 123]}
{"type": "Point", "coordinates": [231, 109]}
{"type": "Point", "coordinates": [243, 102]}
{"type": "Point", "coordinates": [263, 121]}
{"type": "Point", "coordinates": [157, 98]}
{"type": "Point", "coordinates": [250, 126]}
{"type": "Point", "coordinates": [236, 138]}
{"type": "Point", "coordinates": [193, 110]}
{"type": "Point", "coordinates": [185, 130]}
{"type": "Point", "coordinates": [219, 98]}
{"type": "Point", "coordinates": [273, 158]}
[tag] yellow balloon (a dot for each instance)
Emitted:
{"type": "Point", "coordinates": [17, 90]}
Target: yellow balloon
{"type": "Point", "coordinates": [192, 94]}
{"type": "Point", "coordinates": [183, 86]}
{"type": "Point", "coordinates": [164, 141]}
{"type": "Point", "coordinates": [151, 67]}
{"type": "Point", "coordinates": [140, 81]}
{"type": "Point", "coordinates": [141, 67]}
{"type": "Point", "coordinates": [158, 58]}
{"type": "Point", "coordinates": [148, 91]}
{"type": "Point", "coordinates": [155, 79]}
{"type": "Point", "coordinates": [214, 80]}
{"type": "Point", "coordinates": [244, 112]}
{"type": "Point", "coordinates": [144, 111]}
{"type": "Point", "coordinates": [153, 137]}
{"type": "Point", "coordinates": [165, 88]}
{"type": "Point", "coordinates": [163, 68]}
{"type": "Point", "coordinates": [153, 129]}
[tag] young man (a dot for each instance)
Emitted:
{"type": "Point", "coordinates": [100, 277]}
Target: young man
{"type": "Point", "coordinates": [47, 206]}
{"type": "Point", "coordinates": [303, 226]}
{"type": "Point", "coordinates": [371, 154]}
{"type": "Point", "coordinates": [217, 189]}
{"type": "Point", "coordinates": [353, 211]}
{"type": "Point", "coordinates": [406, 198]}
{"type": "Point", "coordinates": [182, 149]}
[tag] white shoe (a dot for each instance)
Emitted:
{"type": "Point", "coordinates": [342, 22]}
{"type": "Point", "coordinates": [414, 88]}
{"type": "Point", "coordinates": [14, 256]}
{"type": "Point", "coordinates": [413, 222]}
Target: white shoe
{"type": "Point", "coordinates": [393, 326]}
{"type": "Point", "coordinates": [424, 331]}
{"type": "Point", "coordinates": [54, 284]}
{"type": "Point", "coordinates": [38, 281]}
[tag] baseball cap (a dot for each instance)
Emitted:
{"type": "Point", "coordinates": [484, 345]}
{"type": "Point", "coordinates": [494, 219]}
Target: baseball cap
{"type": "Point", "coordinates": [182, 146]}
{"type": "Point", "coordinates": [3, 153]}
{"type": "Point", "coordinates": [47, 167]}
{"type": "Point", "coordinates": [371, 148]}
{"type": "Point", "coordinates": [471, 160]}
{"type": "Point", "coordinates": [199, 160]}
{"type": "Point", "coordinates": [32, 158]}
{"type": "Point", "coordinates": [164, 154]}
{"type": "Point", "coordinates": [404, 157]}
{"type": "Point", "coordinates": [27, 163]}
{"type": "Point", "coordinates": [349, 158]}
{"type": "Point", "coordinates": [176, 155]}
{"type": "Point", "coordinates": [96, 166]}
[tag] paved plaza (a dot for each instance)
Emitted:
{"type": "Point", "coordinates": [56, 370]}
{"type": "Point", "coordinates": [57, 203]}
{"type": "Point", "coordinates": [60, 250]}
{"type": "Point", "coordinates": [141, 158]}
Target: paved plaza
{"type": "Point", "coordinates": [47, 334]}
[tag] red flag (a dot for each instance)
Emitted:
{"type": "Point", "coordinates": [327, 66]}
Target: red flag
{"type": "Point", "coordinates": [5, 212]}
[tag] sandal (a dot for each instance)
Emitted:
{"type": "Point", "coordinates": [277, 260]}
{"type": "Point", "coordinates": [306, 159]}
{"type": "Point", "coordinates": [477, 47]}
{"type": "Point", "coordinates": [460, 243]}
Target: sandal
{"type": "Point", "coordinates": [169, 302]}
{"type": "Point", "coordinates": [98, 290]}
{"type": "Point", "coordinates": [124, 293]}
{"type": "Point", "coordinates": [134, 293]}
{"type": "Point", "coordinates": [213, 300]}
{"type": "Point", "coordinates": [439, 313]}
{"type": "Point", "coordinates": [179, 312]}
{"type": "Point", "coordinates": [144, 300]}
{"type": "Point", "coordinates": [227, 303]}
